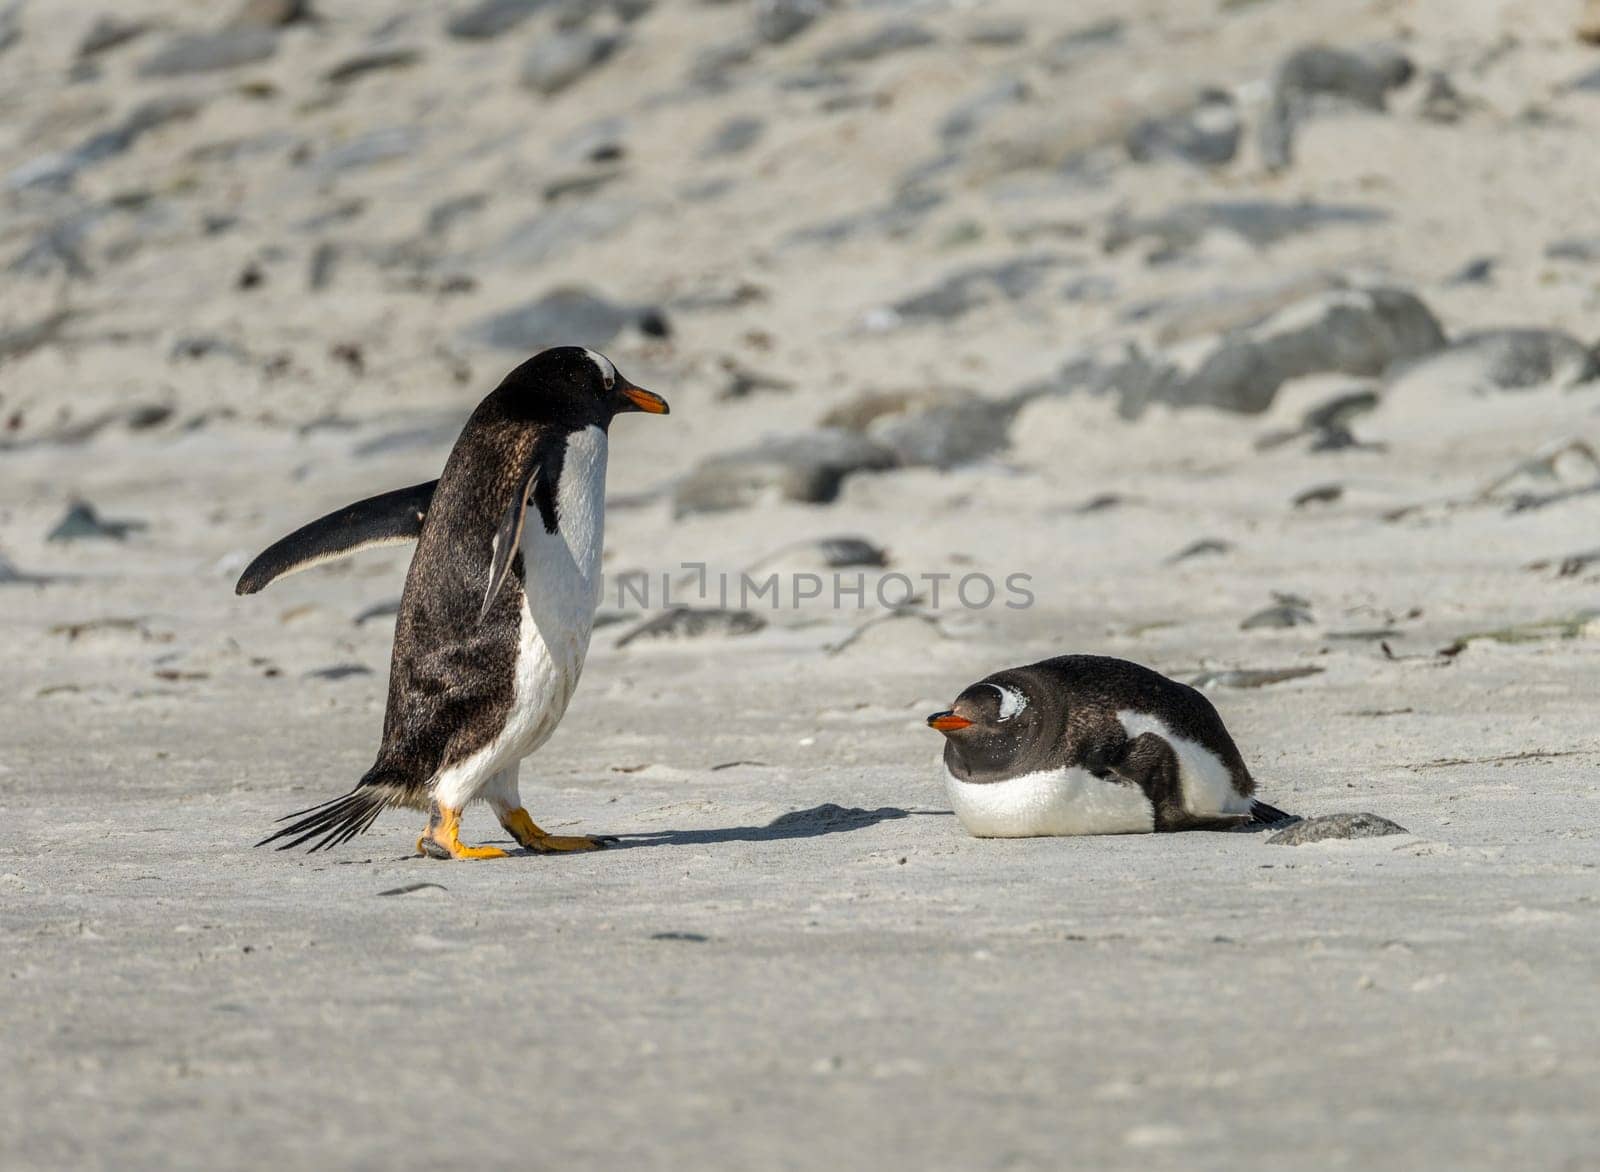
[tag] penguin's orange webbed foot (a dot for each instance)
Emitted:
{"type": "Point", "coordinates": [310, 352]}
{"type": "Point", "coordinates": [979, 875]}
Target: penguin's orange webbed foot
{"type": "Point", "coordinates": [526, 831]}
{"type": "Point", "coordinates": [442, 838]}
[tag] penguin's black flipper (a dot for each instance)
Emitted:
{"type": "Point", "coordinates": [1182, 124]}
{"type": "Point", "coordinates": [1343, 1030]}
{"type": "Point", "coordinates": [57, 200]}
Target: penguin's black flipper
{"type": "Point", "coordinates": [390, 519]}
{"type": "Point", "coordinates": [1262, 812]}
{"type": "Point", "coordinates": [508, 537]}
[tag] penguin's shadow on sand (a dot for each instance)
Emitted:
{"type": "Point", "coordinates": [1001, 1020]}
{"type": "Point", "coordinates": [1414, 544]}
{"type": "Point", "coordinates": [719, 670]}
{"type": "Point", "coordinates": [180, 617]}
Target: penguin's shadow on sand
{"type": "Point", "coordinates": [824, 819]}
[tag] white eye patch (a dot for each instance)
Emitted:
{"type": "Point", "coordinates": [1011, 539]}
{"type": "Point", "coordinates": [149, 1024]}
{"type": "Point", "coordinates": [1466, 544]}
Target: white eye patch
{"type": "Point", "coordinates": [608, 373]}
{"type": "Point", "coordinates": [1011, 701]}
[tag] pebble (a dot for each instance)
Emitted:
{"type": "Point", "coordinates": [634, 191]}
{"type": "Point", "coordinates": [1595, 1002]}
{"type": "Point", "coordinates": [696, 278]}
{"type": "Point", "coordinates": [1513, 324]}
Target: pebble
{"type": "Point", "coordinates": [559, 59]}
{"type": "Point", "coordinates": [368, 150]}
{"type": "Point", "coordinates": [1205, 133]}
{"type": "Point", "coordinates": [735, 136]}
{"type": "Point", "coordinates": [489, 19]}
{"type": "Point", "coordinates": [777, 21]}
{"type": "Point", "coordinates": [1251, 677]}
{"type": "Point", "coordinates": [895, 37]}
{"type": "Point", "coordinates": [806, 467]}
{"type": "Point", "coordinates": [227, 48]}
{"type": "Point", "coordinates": [108, 32]}
{"type": "Point", "coordinates": [371, 61]}
{"type": "Point", "coordinates": [83, 522]}
{"type": "Point", "coordinates": [339, 671]}
{"type": "Point", "coordinates": [1504, 360]}
{"type": "Point", "coordinates": [694, 622]}
{"type": "Point", "coordinates": [1319, 74]}
{"type": "Point", "coordinates": [967, 289]}
{"type": "Point", "coordinates": [1260, 223]}
{"type": "Point", "coordinates": [271, 13]}
{"type": "Point", "coordinates": [1329, 826]}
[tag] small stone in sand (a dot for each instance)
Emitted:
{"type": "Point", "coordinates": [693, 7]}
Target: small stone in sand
{"type": "Point", "coordinates": [82, 521]}
{"type": "Point", "coordinates": [690, 622]}
{"type": "Point", "coordinates": [1335, 826]}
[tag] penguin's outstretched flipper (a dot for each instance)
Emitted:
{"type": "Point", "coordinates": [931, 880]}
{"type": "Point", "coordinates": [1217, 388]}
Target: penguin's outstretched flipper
{"type": "Point", "coordinates": [390, 519]}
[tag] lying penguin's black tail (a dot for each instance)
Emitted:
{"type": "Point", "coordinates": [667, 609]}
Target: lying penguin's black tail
{"type": "Point", "coordinates": [1262, 812]}
{"type": "Point", "coordinates": [335, 821]}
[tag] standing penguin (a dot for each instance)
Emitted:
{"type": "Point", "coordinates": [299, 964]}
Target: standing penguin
{"type": "Point", "coordinates": [483, 668]}
{"type": "Point", "coordinates": [1085, 744]}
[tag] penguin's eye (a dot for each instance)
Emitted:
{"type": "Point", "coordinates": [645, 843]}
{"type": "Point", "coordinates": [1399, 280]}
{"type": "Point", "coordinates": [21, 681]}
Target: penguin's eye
{"type": "Point", "coordinates": [610, 382]}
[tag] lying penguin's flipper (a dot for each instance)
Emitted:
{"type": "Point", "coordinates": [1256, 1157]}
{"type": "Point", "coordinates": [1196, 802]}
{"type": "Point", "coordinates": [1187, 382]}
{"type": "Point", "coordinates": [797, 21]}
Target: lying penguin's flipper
{"type": "Point", "coordinates": [1262, 812]}
{"type": "Point", "coordinates": [390, 519]}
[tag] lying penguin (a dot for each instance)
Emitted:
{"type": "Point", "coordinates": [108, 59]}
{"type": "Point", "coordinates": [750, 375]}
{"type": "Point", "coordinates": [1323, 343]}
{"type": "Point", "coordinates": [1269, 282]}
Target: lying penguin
{"type": "Point", "coordinates": [1086, 744]}
{"type": "Point", "coordinates": [495, 618]}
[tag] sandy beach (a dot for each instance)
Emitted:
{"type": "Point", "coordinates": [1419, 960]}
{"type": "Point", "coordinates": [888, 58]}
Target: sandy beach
{"type": "Point", "coordinates": [1253, 341]}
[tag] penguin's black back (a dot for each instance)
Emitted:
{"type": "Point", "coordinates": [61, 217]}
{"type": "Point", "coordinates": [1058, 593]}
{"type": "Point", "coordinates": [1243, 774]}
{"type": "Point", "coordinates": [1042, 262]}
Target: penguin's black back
{"type": "Point", "coordinates": [1079, 697]}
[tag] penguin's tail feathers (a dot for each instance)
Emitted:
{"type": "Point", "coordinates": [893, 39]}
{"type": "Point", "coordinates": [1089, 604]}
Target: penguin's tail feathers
{"type": "Point", "coordinates": [1261, 812]}
{"type": "Point", "coordinates": [339, 819]}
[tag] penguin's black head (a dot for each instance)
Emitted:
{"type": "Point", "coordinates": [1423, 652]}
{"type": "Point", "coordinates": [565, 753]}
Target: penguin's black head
{"type": "Point", "coordinates": [990, 726]}
{"type": "Point", "coordinates": [575, 386]}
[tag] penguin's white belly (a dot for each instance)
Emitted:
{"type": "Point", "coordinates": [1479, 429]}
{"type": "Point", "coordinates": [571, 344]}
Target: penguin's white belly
{"type": "Point", "coordinates": [561, 588]}
{"type": "Point", "coordinates": [1050, 802]}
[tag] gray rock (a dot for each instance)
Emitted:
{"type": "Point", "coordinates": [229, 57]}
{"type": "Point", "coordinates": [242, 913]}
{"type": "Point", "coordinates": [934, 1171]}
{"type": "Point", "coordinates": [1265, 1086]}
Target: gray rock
{"type": "Point", "coordinates": [713, 63]}
{"type": "Point", "coordinates": [378, 146]}
{"type": "Point", "coordinates": [947, 437]}
{"type": "Point", "coordinates": [83, 522]}
{"type": "Point", "coordinates": [108, 32]}
{"type": "Point", "coordinates": [695, 622]}
{"type": "Point", "coordinates": [936, 428]}
{"type": "Point", "coordinates": [899, 217]}
{"type": "Point", "coordinates": [895, 37]}
{"type": "Point", "coordinates": [562, 229]}
{"type": "Point", "coordinates": [1072, 48]}
{"type": "Point", "coordinates": [778, 21]}
{"type": "Point", "coordinates": [1335, 826]}
{"type": "Point", "coordinates": [58, 171]}
{"type": "Point", "coordinates": [1280, 616]}
{"type": "Point", "coordinates": [371, 61]}
{"type": "Point", "coordinates": [1584, 249]}
{"type": "Point", "coordinates": [1478, 271]}
{"type": "Point", "coordinates": [807, 466]}
{"type": "Point", "coordinates": [558, 60]}
{"type": "Point", "coordinates": [969, 288]}
{"type": "Point", "coordinates": [735, 136]}
{"type": "Point", "coordinates": [1586, 82]}
{"type": "Point", "coordinates": [339, 671]}
{"type": "Point", "coordinates": [1353, 331]}
{"type": "Point", "coordinates": [1441, 101]}
{"type": "Point", "coordinates": [271, 13]}
{"type": "Point", "coordinates": [997, 34]}
{"type": "Point", "coordinates": [226, 48]}
{"type": "Point", "coordinates": [1205, 133]}
{"type": "Point", "coordinates": [10, 25]}
{"type": "Point", "coordinates": [843, 553]}
{"type": "Point", "coordinates": [567, 316]}
{"type": "Point", "coordinates": [1313, 77]}
{"type": "Point", "coordinates": [1258, 222]}
{"type": "Point", "coordinates": [490, 18]}
{"type": "Point", "coordinates": [15, 341]}
{"type": "Point", "coordinates": [1251, 677]}
{"type": "Point", "coordinates": [967, 116]}
{"type": "Point", "coordinates": [1508, 360]}
{"type": "Point", "coordinates": [1203, 547]}
{"type": "Point", "coordinates": [446, 214]}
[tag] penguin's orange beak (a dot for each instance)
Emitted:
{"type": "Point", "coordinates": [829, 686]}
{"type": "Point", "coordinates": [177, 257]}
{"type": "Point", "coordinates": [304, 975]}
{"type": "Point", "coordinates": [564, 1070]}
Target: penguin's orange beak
{"type": "Point", "coordinates": [948, 722]}
{"type": "Point", "coordinates": [643, 400]}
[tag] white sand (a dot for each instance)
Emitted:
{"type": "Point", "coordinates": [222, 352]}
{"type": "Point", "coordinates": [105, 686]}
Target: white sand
{"type": "Point", "coordinates": [867, 993]}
